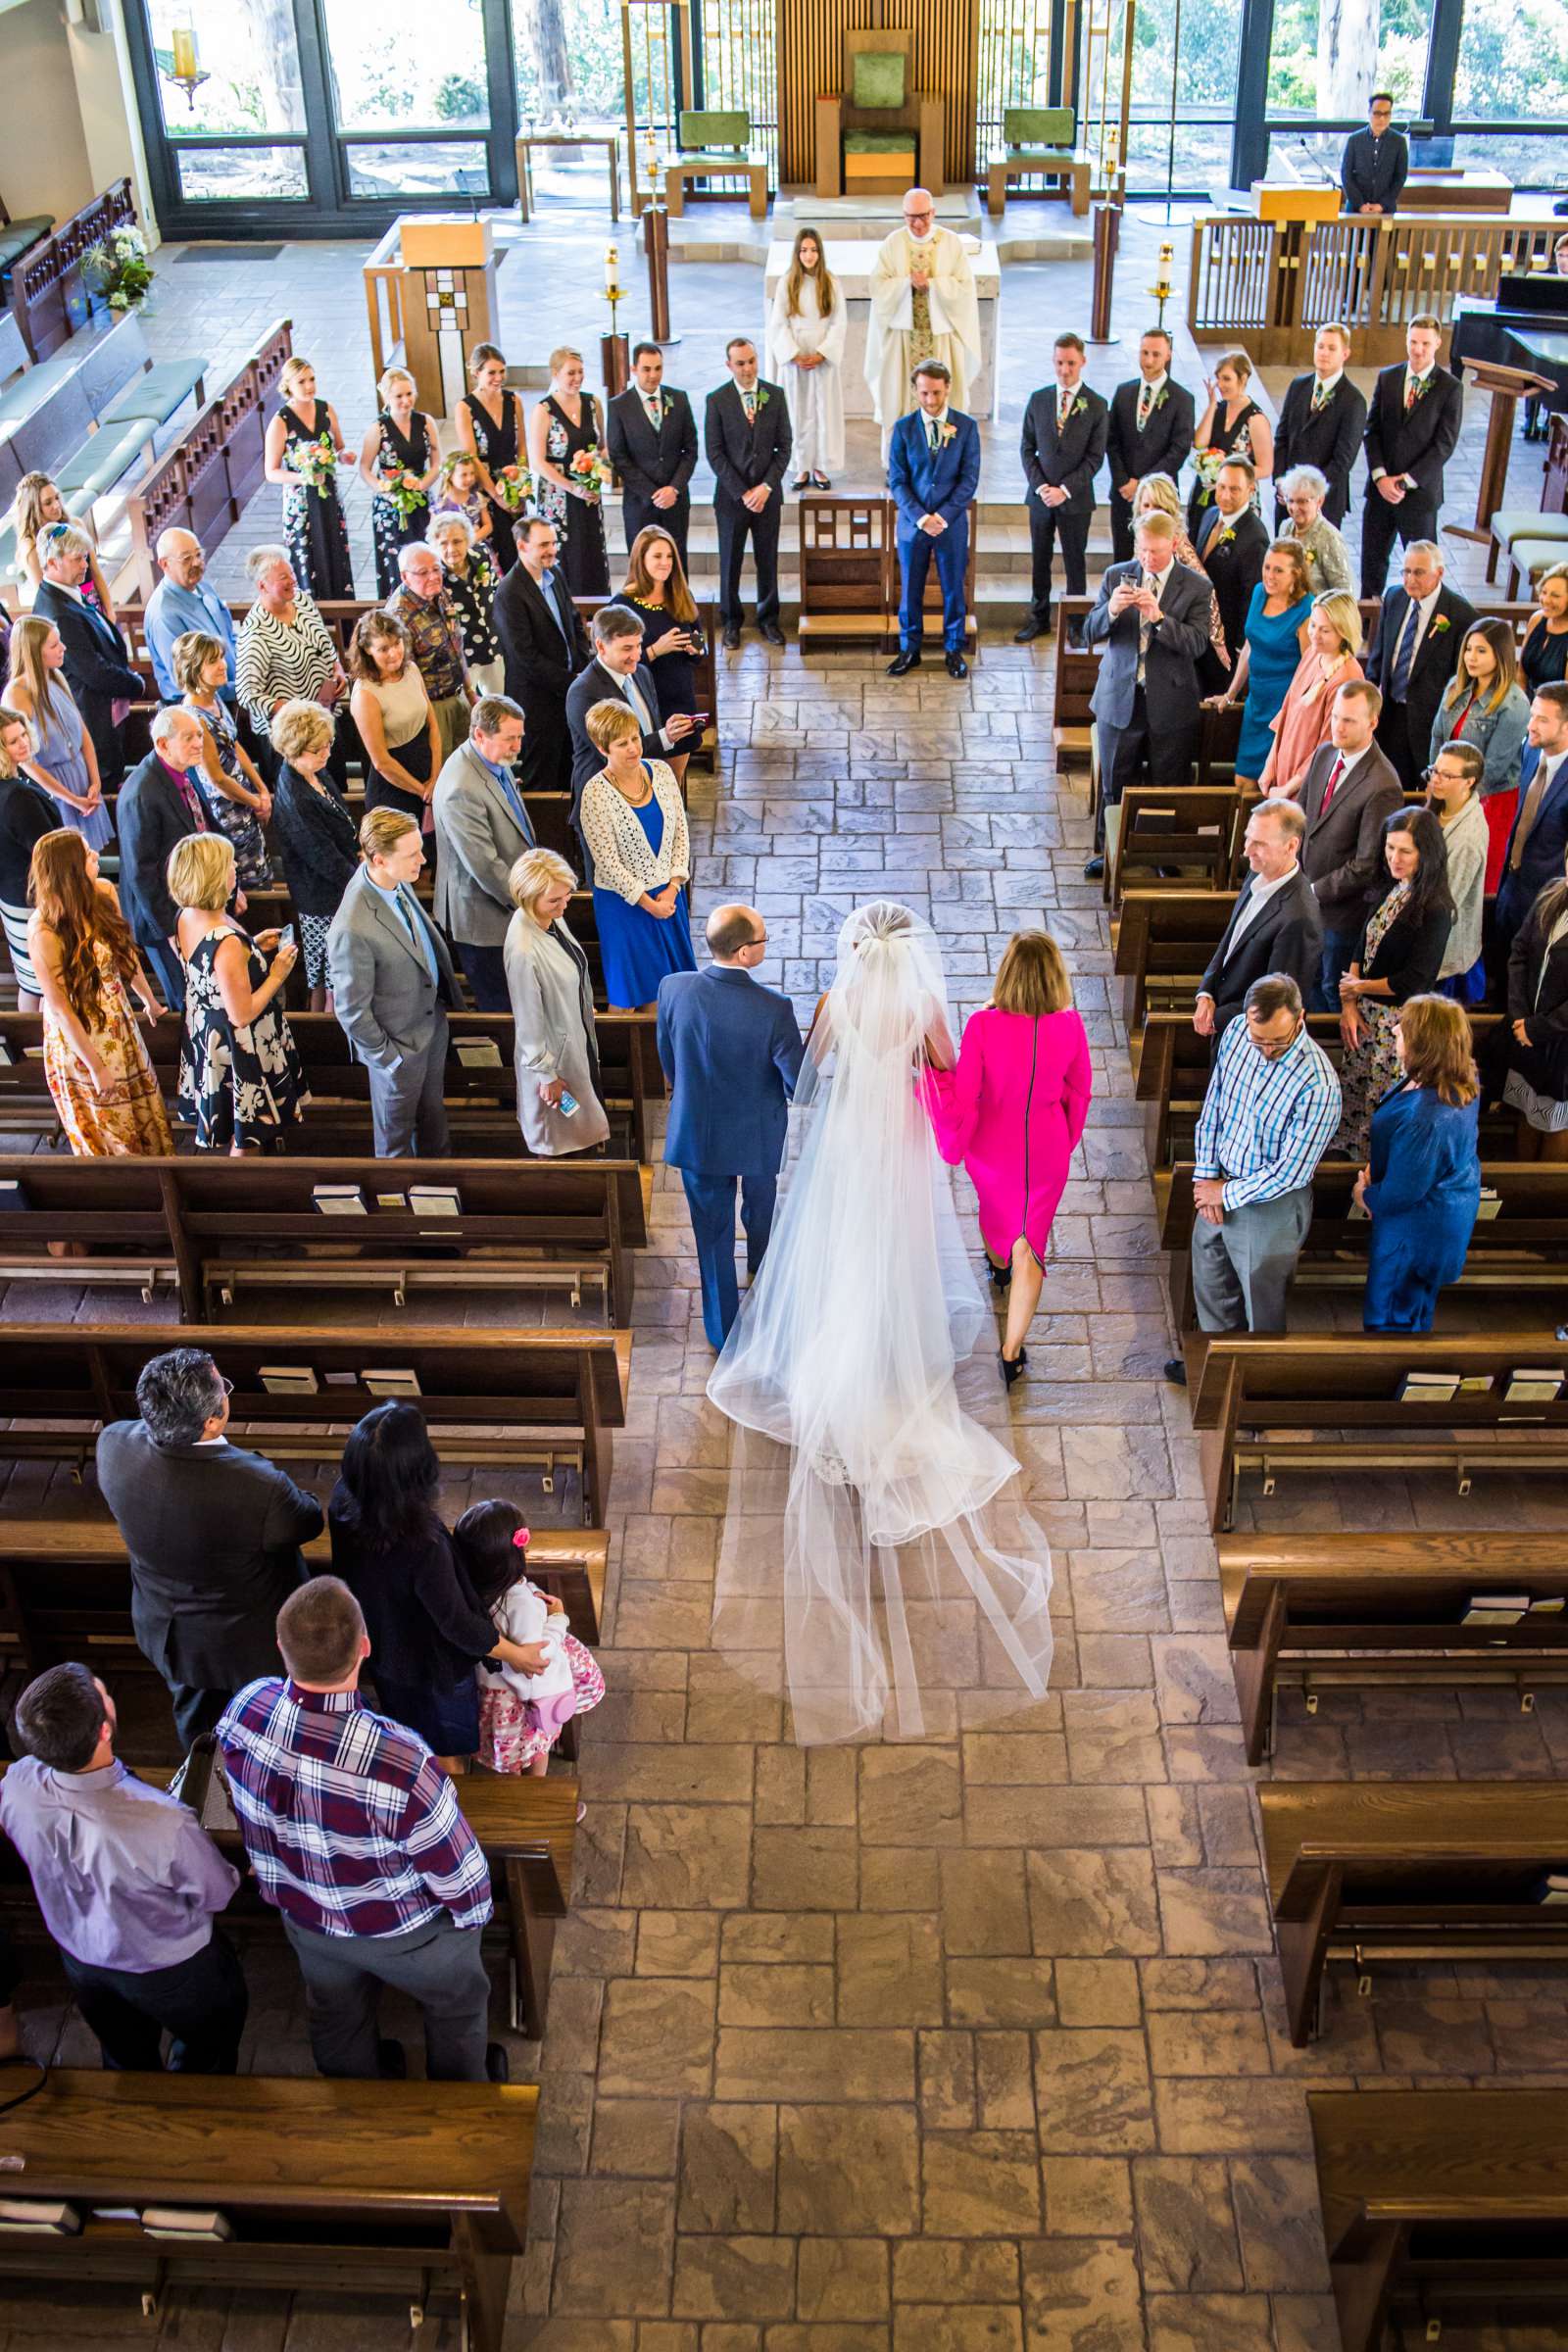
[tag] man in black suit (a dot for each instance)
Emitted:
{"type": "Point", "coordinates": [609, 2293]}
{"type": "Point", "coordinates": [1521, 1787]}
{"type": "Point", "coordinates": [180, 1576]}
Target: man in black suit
{"type": "Point", "coordinates": [1275, 925]}
{"type": "Point", "coordinates": [1152, 616]}
{"type": "Point", "coordinates": [1322, 422]}
{"type": "Point", "coordinates": [1411, 430]}
{"type": "Point", "coordinates": [96, 669]}
{"type": "Point", "coordinates": [1064, 431]}
{"type": "Point", "coordinates": [1347, 792]}
{"type": "Point", "coordinates": [159, 804]}
{"type": "Point", "coordinates": [617, 672]}
{"type": "Point", "coordinates": [652, 439]}
{"type": "Point", "coordinates": [214, 1535]}
{"type": "Point", "coordinates": [1151, 431]}
{"type": "Point", "coordinates": [1231, 543]}
{"type": "Point", "coordinates": [747, 435]}
{"type": "Point", "coordinates": [545, 647]}
{"type": "Point", "coordinates": [1376, 162]}
{"type": "Point", "coordinates": [1414, 652]}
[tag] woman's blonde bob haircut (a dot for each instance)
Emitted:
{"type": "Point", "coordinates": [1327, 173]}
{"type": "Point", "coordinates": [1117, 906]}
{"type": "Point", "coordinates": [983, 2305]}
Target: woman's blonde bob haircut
{"type": "Point", "coordinates": [301, 726]}
{"type": "Point", "coordinates": [201, 873]}
{"type": "Point", "coordinates": [1031, 977]}
{"type": "Point", "coordinates": [535, 872]}
{"type": "Point", "coordinates": [1341, 610]}
{"type": "Point", "coordinates": [611, 722]}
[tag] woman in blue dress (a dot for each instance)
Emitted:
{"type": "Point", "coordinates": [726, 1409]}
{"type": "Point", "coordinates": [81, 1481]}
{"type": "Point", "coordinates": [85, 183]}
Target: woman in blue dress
{"type": "Point", "coordinates": [633, 824]}
{"type": "Point", "coordinates": [1270, 654]}
{"type": "Point", "coordinates": [62, 758]}
{"type": "Point", "coordinates": [1422, 1185]}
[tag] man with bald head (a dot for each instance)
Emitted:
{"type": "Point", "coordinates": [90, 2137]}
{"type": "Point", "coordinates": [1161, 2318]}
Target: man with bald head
{"type": "Point", "coordinates": [180, 602]}
{"type": "Point", "coordinates": [923, 307]}
{"type": "Point", "coordinates": [732, 1052]}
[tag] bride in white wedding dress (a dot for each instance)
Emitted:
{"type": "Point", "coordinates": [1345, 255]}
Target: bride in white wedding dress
{"type": "Point", "coordinates": [875, 1541]}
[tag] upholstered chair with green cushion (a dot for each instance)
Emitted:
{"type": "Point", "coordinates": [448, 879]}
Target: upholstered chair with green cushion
{"type": "Point", "coordinates": [879, 78]}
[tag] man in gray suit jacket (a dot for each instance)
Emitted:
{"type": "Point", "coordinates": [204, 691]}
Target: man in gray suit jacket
{"type": "Point", "coordinates": [1152, 616]}
{"type": "Point", "coordinates": [392, 986]}
{"type": "Point", "coordinates": [482, 829]}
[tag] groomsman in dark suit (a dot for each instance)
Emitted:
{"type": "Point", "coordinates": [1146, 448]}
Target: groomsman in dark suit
{"type": "Point", "coordinates": [1064, 429]}
{"type": "Point", "coordinates": [746, 433]}
{"type": "Point", "coordinates": [1322, 424]}
{"type": "Point", "coordinates": [545, 647]}
{"type": "Point", "coordinates": [1152, 425]}
{"type": "Point", "coordinates": [651, 435]}
{"type": "Point", "coordinates": [1231, 543]}
{"type": "Point", "coordinates": [1376, 162]}
{"type": "Point", "coordinates": [1411, 430]}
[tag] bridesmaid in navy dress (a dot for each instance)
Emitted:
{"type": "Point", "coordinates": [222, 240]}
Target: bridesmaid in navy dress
{"type": "Point", "coordinates": [314, 529]}
{"type": "Point", "coordinates": [489, 424]}
{"type": "Point", "coordinates": [565, 422]}
{"type": "Point", "coordinates": [401, 442]}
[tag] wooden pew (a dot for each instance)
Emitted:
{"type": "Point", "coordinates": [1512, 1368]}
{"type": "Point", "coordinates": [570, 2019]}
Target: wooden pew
{"type": "Point", "coordinates": [1195, 829]}
{"type": "Point", "coordinates": [1448, 2198]}
{"type": "Point", "coordinates": [1381, 1611]}
{"type": "Point", "coordinates": [1163, 941]}
{"type": "Point", "coordinates": [501, 1397]}
{"type": "Point", "coordinates": [1072, 724]}
{"type": "Point", "coordinates": [1524, 1247]}
{"type": "Point", "coordinates": [404, 2192]}
{"type": "Point", "coordinates": [47, 295]}
{"type": "Point", "coordinates": [1395, 1869]}
{"type": "Point", "coordinates": [1332, 1403]}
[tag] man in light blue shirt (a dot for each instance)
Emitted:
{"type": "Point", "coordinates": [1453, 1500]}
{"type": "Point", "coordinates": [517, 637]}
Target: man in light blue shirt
{"type": "Point", "coordinates": [180, 602]}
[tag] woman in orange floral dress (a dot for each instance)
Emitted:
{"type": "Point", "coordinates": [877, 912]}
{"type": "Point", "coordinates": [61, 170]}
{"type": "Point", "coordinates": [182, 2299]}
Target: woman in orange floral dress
{"type": "Point", "coordinates": [94, 1059]}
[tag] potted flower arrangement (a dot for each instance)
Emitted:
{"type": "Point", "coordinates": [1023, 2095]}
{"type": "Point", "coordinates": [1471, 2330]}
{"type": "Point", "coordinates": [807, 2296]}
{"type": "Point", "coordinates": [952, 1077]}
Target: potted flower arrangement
{"type": "Point", "coordinates": [117, 270]}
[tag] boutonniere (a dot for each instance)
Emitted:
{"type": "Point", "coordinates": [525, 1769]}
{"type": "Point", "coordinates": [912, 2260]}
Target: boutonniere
{"type": "Point", "coordinates": [1438, 624]}
{"type": "Point", "coordinates": [759, 400]}
{"type": "Point", "coordinates": [1423, 386]}
{"type": "Point", "coordinates": [1224, 537]}
{"type": "Point", "coordinates": [1159, 399]}
{"type": "Point", "coordinates": [1080, 407]}
{"type": "Point", "coordinates": [950, 432]}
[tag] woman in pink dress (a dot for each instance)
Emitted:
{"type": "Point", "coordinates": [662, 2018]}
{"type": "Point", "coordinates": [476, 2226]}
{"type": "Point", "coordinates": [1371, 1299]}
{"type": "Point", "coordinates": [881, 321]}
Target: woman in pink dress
{"type": "Point", "coordinates": [1013, 1111]}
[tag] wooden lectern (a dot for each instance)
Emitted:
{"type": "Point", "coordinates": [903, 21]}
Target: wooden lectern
{"type": "Point", "coordinates": [1294, 211]}
{"type": "Point", "coordinates": [1507, 387]}
{"type": "Point", "coordinates": [448, 302]}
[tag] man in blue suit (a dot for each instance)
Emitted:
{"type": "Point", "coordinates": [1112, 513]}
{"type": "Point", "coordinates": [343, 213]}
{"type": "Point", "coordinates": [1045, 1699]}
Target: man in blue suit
{"type": "Point", "coordinates": [1539, 841]}
{"type": "Point", "coordinates": [933, 473]}
{"type": "Point", "coordinates": [732, 1053]}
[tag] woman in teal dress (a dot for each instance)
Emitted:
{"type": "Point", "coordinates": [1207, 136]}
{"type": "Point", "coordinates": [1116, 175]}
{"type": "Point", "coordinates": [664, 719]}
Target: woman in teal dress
{"type": "Point", "coordinates": [1421, 1186]}
{"type": "Point", "coordinates": [1270, 654]}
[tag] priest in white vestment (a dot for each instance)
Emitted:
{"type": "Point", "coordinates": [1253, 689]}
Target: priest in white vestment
{"type": "Point", "coordinates": [923, 307]}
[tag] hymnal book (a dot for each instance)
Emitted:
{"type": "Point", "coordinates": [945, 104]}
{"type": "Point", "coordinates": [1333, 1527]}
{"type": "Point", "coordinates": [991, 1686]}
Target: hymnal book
{"type": "Point", "coordinates": [19, 2214]}
{"type": "Point", "coordinates": [434, 1201]}
{"type": "Point", "coordinates": [1553, 1887]}
{"type": "Point", "coordinates": [391, 1381]}
{"type": "Point", "coordinates": [390, 1201]}
{"type": "Point", "coordinates": [7, 1058]}
{"type": "Point", "coordinates": [339, 1200]}
{"type": "Point", "coordinates": [1551, 1604]}
{"type": "Point", "coordinates": [176, 2221]}
{"type": "Point", "coordinates": [13, 1195]}
{"type": "Point", "coordinates": [479, 1053]}
{"type": "Point", "coordinates": [288, 1379]}
{"type": "Point", "coordinates": [1497, 1608]}
{"type": "Point", "coordinates": [1429, 1388]}
{"type": "Point", "coordinates": [1530, 1386]}
{"type": "Point", "coordinates": [1476, 1383]}
{"type": "Point", "coordinates": [340, 1380]}
{"type": "Point", "coordinates": [1490, 1204]}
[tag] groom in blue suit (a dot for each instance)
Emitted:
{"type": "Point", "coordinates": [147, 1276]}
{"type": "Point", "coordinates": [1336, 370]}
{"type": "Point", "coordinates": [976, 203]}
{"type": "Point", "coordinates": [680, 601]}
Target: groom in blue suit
{"type": "Point", "coordinates": [933, 473]}
{"type": "Point", "coordinates": [732, 1053]}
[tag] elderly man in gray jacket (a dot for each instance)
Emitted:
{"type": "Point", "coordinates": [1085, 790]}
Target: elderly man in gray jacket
{"type": "Point", "coordinates": [392, 987]}
{"type": "Point", "coordinates": [481, 830]}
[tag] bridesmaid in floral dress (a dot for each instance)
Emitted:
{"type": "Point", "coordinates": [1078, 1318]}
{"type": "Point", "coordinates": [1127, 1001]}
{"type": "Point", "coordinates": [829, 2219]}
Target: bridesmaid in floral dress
{"type": "Point", "coordinates": [562, 427]}
{"type": "Point", "coordinates": [314, 528]}
{"type": "Point", "coordinates": [398, 463]}
{"type": "Point", "coordinates": [241, 1084]}
{"type": "Point", "coordinates": [489, 424]}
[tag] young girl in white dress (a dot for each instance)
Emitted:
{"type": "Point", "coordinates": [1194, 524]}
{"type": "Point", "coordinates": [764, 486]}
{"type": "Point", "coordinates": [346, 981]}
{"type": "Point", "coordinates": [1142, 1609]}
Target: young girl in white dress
{"type": "Point", "coordinates": [521, 1716]}
{"type": "Point", "coordinates": [805, 352]}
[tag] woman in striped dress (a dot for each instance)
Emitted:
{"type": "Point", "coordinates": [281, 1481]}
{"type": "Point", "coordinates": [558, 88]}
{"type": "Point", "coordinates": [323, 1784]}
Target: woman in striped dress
{"type": "Point", "coordinates": [284, 651]}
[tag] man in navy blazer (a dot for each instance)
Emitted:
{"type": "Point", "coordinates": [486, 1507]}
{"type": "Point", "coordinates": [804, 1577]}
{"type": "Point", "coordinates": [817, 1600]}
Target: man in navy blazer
{"type": "Point", "coordinates": [732, 1053]}
{"type": "Point", "coordinates": [159, 804]}
{"type": "Point", "coordinates": [933, 473]}
{"type": "Point", "coordinates": [97, 671]}
{"type": "Point", "coordinates": [1539, 841]}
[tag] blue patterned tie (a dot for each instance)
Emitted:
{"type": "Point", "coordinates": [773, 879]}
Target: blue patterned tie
{"type": "Point", "coordinates": [1405, 656]}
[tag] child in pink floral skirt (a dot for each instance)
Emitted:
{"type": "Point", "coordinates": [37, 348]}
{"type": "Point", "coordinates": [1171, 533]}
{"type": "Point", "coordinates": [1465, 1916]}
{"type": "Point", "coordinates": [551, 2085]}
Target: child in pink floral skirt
{"type": "Point", "coordinates": [521, 1716]}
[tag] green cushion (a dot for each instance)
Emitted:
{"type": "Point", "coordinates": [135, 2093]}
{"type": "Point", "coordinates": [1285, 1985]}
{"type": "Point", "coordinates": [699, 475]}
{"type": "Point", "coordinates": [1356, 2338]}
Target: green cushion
{"type": "Point", "coordinates": [879, 142]}
{"type": "Point", "coordinates": [1037, 125]}
{"type": "Point", "coordinates": [879, 78]}
{"type": "Point", "coordinates": [156, 393]}
{"type": "Point", "coordinates": [711, 129]}
{"type": "Point", "coordinates": [1527, 523]}
{"type": "Point", "coordinates": [101, 462]}
{"type": "Point", "coordinates": [17, 236]}
{"type": "Point", "coordinates": [26, 396]}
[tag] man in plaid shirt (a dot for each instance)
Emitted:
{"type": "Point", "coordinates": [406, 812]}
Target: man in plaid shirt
{"type": "Point", "coordinates": [356, 1837]}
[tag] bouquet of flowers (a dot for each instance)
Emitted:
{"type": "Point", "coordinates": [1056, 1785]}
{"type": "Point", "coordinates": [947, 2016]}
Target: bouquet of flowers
{"type": "Point", "coordinates": [401, 489]}
{"type": "Point", "coordinates": [315, 462]}
{"type": "Point", "coordinates": [514, 487]}
{"type": "Point", "coordinates": [593, 469]}
{"type": "Point", "coordinates": [1206, 463]}
{"type": "Point", "coordinates": [117, 268]}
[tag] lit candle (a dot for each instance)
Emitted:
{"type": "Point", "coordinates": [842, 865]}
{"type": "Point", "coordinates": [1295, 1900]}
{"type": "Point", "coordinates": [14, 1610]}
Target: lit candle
{"type": "Point", "coordinates": [611, 268]}
{"type": "Point", "coordinates": [184, 42]}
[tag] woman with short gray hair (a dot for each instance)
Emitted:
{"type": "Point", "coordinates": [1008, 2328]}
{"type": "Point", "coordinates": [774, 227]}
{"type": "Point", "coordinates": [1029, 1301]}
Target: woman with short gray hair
{"type": "Point", "coordinates": [284, 651]}
{"type": "Point", "coordinates": [559, 1108]}
{"type": "Point", "coordinates": [1301, 492]}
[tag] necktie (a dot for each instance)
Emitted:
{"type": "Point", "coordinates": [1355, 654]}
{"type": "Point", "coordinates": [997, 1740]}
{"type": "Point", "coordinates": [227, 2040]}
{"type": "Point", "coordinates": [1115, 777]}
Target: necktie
{"type": "Point", "coordinates": [188, 794]}
{"type": "Point", "coordinates": [514, 800]}
{"type": "Point", "coordinates": [1320, 395]}
{"type": "Point", "coordinates": [1541, 784]}
{"type": "Point", "coordinates": [1405, 655]}
{"type": "Point", "coordinates": [638, 707]}
{"type": "Point", "coordinates": [1333, 784]}
{"type": "Point", "coordinates": [1064, 404]}
{"type": "Point", "coordinates": [655, 412]}
{"type": "Point", "coordinates": [411, 915]}
{"type": "Point", "coordinates": [750, 398]}
{"type": "Point", "coordinates": [1146, 401]}
{"type": "Point", "coordinates": [1412, 386]}
{"type": "Point", "coordinates": [548, 589]}
{"type": "Point", "coordinates": [931, 433]}
{"type": "Point", "coordinates": [1146, 628]}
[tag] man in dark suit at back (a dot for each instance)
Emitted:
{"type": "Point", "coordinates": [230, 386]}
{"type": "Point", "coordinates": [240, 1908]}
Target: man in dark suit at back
{"type": "Point", "coordinates": [651, 435]}
{"type": "Point", "coordinates": [1152, 616]}
{"type": "Point", "coordinates": [214, 1536]}
{"type": "Point", "coordinates": [97, 671]}
{"type": "Point", "coordinates": [159, 804]}
{"type": "Point", "coordinates": [1376, 162]}
{"type": "Point", "coordinates": [617, 672]}
{"type": "Point", "coordinates": [1231, 543]}
{"type": "Point", "coordinates": [746, 433]}
{"type": "Point", "coordinates": [1151, 431]}
{"type": "Point", "coordinates": [1275, 925]}
{"type": "Point", "coordinates": [1538, 838]}
{"type": "Point", "coordinates": [1413, 654]}
{"type": "Point", "coordinates": [1347, 792]}
{"type": "Point", "coordinates": [1064, 430]}
{"type": "Point", "coordinates": [1412, 429]}
{"type": "Point", "coordinates": [1322, 422]}
{"type": "Point", "coordinates": [545, 647]}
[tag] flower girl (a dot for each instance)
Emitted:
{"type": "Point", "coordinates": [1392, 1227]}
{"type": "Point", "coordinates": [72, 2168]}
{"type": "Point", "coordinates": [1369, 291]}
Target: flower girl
{"type": "Point", "coordinates": [521, 1715]}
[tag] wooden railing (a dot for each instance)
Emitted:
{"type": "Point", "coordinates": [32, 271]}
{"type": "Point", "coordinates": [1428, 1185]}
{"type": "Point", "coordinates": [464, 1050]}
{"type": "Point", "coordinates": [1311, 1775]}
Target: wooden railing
{"type": "Point", "coordinates": [204, 482]}
{"type": "Point", "coordinates": [48, 299]}
{"type": "Point", "coordinates": [1273, 283]}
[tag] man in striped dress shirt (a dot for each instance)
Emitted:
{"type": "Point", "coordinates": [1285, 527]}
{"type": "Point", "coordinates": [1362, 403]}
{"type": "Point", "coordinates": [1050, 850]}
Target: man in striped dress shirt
{"type": "Point", "coordinates": [1271, 1109]}
{"type": "Point", "coordinates": [356, 1837]}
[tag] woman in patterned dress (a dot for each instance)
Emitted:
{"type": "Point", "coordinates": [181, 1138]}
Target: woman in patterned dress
{"type": "Point", "coordinates": [563, 427]}
{"type": "Point", "coordinates": [399, 456]}
{"type": "Point", "coordinates": [1400, 955]}
{"type": "Point", "coordinates": [314, 528]}
{"type": "Point", "coordinates": [240, 1081]}
{"type": "Point", "coordinates": [1233, 425]}
{"type": "Point", "coordinates": [489, 422]}
{"type": "Point", "coordinates": [232, 793]}
{"type": "Point", "coordinates": [99, 1074]}
{"type": "Point", "coordinates": [468, 576]}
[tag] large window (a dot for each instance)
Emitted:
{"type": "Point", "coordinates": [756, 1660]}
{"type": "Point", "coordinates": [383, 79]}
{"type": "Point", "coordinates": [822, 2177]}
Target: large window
{"type": "Point", "coordinates": [1186, 56]}
{"type": "Point", "coordinates": [1512, 79]}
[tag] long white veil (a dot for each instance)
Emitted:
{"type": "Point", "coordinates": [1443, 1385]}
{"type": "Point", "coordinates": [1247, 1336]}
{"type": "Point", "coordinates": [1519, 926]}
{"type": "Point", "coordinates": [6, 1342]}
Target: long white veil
{"type": "Point", "coordinates": [874, 1544]}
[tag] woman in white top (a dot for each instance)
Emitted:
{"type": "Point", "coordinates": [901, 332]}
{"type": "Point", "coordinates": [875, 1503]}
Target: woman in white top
{"type": "Point", "coordinates": [553, 1012]}
{"type": "Point", "coordinates": [635, 823]}
{"type": "Point", "coordinates": [806, 348]}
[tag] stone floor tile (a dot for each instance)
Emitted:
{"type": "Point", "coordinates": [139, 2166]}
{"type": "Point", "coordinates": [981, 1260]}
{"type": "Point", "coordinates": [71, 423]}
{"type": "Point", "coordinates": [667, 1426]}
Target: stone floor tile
{"type": "Point", "coordinates": [683, 1857]}
{"type": "Point", "coordinates": [840, 2063]}
{"type": "Point", "coordinates": [976, 2183]}
{"type": "Point", "coordinates": [753, 1995]}
{"type": "Point", "coordinates": [677, 1943]}
{"type": "Point", "coordinates": [842, 2278]}
{"type": "Point", "coordinates": [940, 2327]}
{"type": "Point", "coordinates": [1000, 1992]}
{"type": "Point", "coordinates": [1197, 2323]}
{"type": "Point", "coordinates": [1098, 1993]}
{"type": "Point", "coordinates": [636, 2137]}
{"type": "Point", "coordinates": [848, 2171]}
{"type": "Point", "coordinates": [658, 2036]}
{"type": "Point", "coordinates": [931, 2269]}
{"type": "Point", "coordinates": [1186, 2227]}
{"type": "Point", "coordinates": [1092, 2088]}
{"type": "Point", "coordinates": [1088, 2196]}
{"type": "Point", "coordinates": [614, 2253]}
{"type": "Point", "coordinates": [1087, 1900]}
{"type": "Point", "coordinates": [734, 2278]}
{"type": "Point", "coordinates": [728, 2167]}
{"type": "Point", "coordinates": [1081, 2295]}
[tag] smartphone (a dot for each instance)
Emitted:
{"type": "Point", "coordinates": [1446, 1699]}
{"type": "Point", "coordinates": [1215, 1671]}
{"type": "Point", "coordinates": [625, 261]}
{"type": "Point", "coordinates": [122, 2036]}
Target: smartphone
{"type": "Point", "coordinates": [569, 1106]}
{"type": "Point", "coordinates": [700, 719]}
{"type": "Point", "coordinates": [285, 938]}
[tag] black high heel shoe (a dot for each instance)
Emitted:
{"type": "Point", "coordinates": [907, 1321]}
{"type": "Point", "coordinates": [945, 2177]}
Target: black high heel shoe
{"type": "Point", "coordinates": [1001, 1276]}
{"type": "Point", "coordinates": [1015, 1368]}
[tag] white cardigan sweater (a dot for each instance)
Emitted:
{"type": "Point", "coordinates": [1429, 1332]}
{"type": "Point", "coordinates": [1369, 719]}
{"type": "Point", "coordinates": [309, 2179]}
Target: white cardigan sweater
{"type": "Point", "coordinates": [622, 860]}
